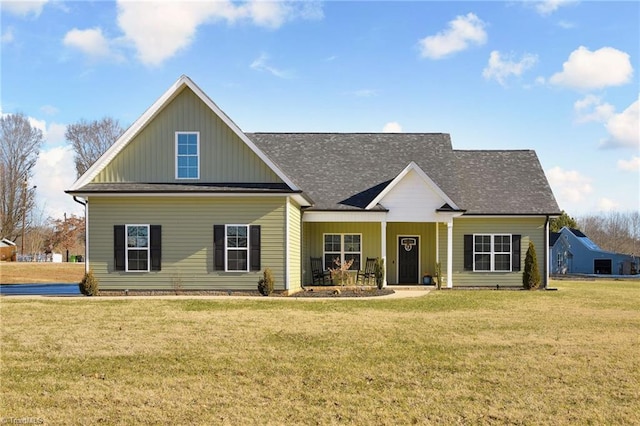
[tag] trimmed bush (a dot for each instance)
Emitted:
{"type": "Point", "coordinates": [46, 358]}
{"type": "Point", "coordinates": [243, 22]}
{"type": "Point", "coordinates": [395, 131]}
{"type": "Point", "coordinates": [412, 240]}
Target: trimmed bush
{"type": "Point", "coordinates": [265, 284]}
{"type": "Point", "coordinates": [89, 284]}
{"type": "Point", "coordinates": [531, 276]}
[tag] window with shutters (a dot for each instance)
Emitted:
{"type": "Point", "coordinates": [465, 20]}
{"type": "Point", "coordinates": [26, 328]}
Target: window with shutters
{"type": "Point", "coordinates": [137, 248]}
{"type": "Point", "coordinates": [236, 247]}
{"type": "Point", "coordinates": [492, 252]}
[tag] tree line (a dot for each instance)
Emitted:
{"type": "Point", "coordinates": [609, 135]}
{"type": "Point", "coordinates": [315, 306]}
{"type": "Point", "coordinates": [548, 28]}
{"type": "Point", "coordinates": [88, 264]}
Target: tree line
{"type": "Point", "coordinates": [20, 144]}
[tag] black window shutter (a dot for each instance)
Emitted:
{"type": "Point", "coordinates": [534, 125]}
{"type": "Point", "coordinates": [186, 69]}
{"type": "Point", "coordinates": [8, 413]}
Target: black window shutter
{"type": "Point", "coordinates": [118, 247]}
{"type": "Point", "coordinates": [254, 249]}
{"type": "Point", "coordinates": [468, 252]}
{"type": "Point", "coordinates": [515, 253]}
{"type": "Point", "coordinates": [156, 246]}
{"type": "Point", "coordinates": [218, 247]}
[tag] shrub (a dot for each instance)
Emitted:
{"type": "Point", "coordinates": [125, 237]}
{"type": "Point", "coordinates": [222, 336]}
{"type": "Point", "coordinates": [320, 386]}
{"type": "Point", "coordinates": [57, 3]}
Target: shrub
{"type": "Point", "coordinates": [265, 284]}
{"type": "Point", "coordinates": [341, 272]}
{"type": "Point", "coordinates": [531, 276]}
{"type": "Point", "coordinates": [379, 272]}
{"type": "Point", "coordinates": [89, 284]}
{"type": "Point", "coordinates": [438, 275]}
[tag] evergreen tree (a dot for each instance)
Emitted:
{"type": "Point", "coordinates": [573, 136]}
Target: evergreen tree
{"type": "Point", "coordinates": [531, 276]}
{"type": "Point", "coordinates": [555, 225]}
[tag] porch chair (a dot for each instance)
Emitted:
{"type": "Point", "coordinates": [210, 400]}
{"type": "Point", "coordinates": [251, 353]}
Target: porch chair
{"type": "Point", "coordinates": [319, 275]}
{"type": "Point", "coordinates": [369, 272]}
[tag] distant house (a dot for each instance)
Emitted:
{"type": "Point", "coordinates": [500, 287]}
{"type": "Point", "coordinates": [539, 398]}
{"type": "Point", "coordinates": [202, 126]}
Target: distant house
{"type": "Point", "coordinates": [572, 252]}
{"type": "Point", "coordinates": [8, 250]}
{"type": "Point", "coordinates": [184, 195]}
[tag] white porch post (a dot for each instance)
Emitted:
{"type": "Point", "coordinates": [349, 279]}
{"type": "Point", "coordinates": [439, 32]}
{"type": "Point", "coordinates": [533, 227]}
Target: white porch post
{"type": "Point", "coordinates": [383, 249]}
{"type": "Point", "coordinates": [450, 253]}
{"type": "Point", "coordinates": [437, 242]}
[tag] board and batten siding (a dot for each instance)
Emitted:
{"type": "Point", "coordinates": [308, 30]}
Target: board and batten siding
{"type": "Point", "coordinates": [530, 228]}
{"type": "Point", "coordinates": [313, 240]}
{"type": "Point", "coordinates": [187, 240]}
{"type": "Point", "coordinates": [294, 236]}
{"type": "Point", "coordinates": [150, 156]}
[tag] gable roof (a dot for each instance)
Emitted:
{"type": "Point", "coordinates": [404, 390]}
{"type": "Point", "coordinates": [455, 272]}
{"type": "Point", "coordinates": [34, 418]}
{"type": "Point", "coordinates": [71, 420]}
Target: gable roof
{"type": "Point", "coordinates": [350, 171]}
{"type": "Point", "coordinates": [347, 171]}
{"type": "Point", "coordinates": [182, 83]}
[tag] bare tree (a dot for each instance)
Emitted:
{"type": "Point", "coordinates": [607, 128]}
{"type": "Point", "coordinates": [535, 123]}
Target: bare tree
{"type": "Point", "coordinates": [615, 231]}
{"type": "Point", "coordinates": [90, 139]}
{"type": "Point", "coordinates": [19, 149]}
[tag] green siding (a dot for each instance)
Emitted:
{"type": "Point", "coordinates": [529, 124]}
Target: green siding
{"type": "Point", "coordinates": [187, 239]}
{"type": "Point", "coordinates": [313, 240]}
{"type": "Point", "coordinates": [531, 229]}
{"type": "Point", "coordinates": [150, 156]}
{"type": "Point", "coordinates": [294, 235]}
{"type": "Point", "coordinates": [426, 232]}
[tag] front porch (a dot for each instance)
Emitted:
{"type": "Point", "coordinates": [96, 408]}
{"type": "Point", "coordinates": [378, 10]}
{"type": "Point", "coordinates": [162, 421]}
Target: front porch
{"type": "Point", "coordinates": [410, 249]}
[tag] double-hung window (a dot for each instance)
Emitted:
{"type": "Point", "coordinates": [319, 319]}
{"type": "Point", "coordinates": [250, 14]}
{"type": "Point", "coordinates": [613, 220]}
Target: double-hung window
{"type": "Point", "coordinates": [137, 249]}
{"type": "Point", "coordinates": [187, 155]}
{"type": "Point", "coordinates": [492, 253]}
{"type": "Point", "coordinates": [237, 247]}
{"type": "Point", "coordinates": [344, 247]}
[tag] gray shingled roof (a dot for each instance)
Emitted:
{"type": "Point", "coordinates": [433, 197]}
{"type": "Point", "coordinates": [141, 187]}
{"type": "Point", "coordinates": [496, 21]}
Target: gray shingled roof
{"type": "Point", "coordinates": [347, 171]}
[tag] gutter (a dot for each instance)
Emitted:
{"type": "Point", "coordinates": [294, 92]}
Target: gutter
{"type": "Point", "coordinates": [86, 234]}
{"type": "Point", "coordinates": [546, 252]}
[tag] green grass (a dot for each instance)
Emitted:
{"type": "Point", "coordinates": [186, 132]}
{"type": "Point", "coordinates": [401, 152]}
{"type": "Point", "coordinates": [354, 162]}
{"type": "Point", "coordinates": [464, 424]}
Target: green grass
{"type": "Point", "coordinates": [469, 357]}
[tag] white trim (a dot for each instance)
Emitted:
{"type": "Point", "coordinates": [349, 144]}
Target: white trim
{"type": "Point", "coordinates": [492, 253]}
{"type": "Point", "coordinates": [226, 247]}
{"type": "Point", "coordinates": [287, 248]}
{"type": "Point", "coordinates": [346, 216]}
{"type": "Point", "coordinates": [151, 113]}
{"type": "Point", "coordinates": [126, 247]}
{"type": "Point", "coordinates": [383, 250]}
{"type": "Point", "coordinates": [181, 194]}
{"type": "Point", "coordinates": [412, 166]}
{"type": "Point", "coordinates": [398, 236]}
{"type": "Point", "coordinates": [506, 216]}
{"type": "Point", "coordinates": [177, 133]}
{"type": "Point", "coordinates": [342, 251]}
{"type": "Point", "coordinates": [450, 254]}
{"type": "Point", "coordinates": [86, 236]}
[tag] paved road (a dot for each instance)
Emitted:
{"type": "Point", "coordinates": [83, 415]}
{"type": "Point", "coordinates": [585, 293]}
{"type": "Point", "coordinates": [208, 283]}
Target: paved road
{"type": "Point", "coordinates": [57, 289]}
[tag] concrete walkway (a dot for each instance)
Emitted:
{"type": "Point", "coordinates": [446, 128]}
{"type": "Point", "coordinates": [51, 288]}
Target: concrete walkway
{"type": "Point", "coordinates": [399, 293]}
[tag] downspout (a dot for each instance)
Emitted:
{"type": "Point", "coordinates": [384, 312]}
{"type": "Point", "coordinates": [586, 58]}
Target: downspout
{"type": "Point", "coordinates": [86, 233]}
{"type": "Point", "coordinates": [546, 252]}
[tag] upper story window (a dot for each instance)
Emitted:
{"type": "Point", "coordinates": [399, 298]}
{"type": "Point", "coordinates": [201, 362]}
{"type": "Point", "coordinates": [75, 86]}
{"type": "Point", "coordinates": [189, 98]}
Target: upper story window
{"type": "Point", "coordinates": [187, 155]}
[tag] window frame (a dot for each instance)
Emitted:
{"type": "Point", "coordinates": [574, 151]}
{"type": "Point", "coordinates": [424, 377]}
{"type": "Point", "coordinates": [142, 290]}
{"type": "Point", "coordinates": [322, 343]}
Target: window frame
{"type": "Point", "coordinates": [177, 155]}
{"type": "Point", "coordinates": [342, 251]}
{"type": "Point", "coordinates": [493, 253]}
{"type": "Point", "coordinates": [246, 249]}
{"type": "Point", "coordinates": [127, 249]}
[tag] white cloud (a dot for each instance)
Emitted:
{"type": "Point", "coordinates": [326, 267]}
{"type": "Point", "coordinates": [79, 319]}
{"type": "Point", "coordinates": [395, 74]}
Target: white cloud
{"type": "Point", "coordinates": [592, 108]}
{"type": "Point", "coordinates": [593, 70]}
{"type": "Point", "coordinates": [606, 204]}
{"type": "Point", "coordinates": [624, 128]}
{"type": "Point", "coordinates": [261, 64]}
{"type": "Point", "coordinates": [547, 7]}
{"type": "Point", "coordinates": [24, 8]}
{"type": "Point", "coordinates": [49, 109]}
{"type": "Point", "coordinates": [501, 69]}
{"type": "Point", "coordinates": [7, 36]}
{"type": "Point", "coordinates": [392, 127]}
{"type": "Point", "coordinates": [569, 185]}
{"type": "Point", "coordinates": [55, 134]}
{"type": "Point", "coordinates": [158, 30]}
{"type": "Point", "coordinates": [631, 165]}
{"type": "Point", "coordinates": [364, 93]}
{"type": "Point", "coordinates": [462, 31]}
{"type": "Point", "coordinates": [567, 25]}
{"type": "Point", "coordinates": [90, 41]}
{"type": "Point", "coordinates": [53, 173]}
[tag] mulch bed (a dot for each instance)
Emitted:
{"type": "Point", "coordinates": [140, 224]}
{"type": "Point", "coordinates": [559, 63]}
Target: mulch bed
{"type": "Point", "coordinates": [307, 292]}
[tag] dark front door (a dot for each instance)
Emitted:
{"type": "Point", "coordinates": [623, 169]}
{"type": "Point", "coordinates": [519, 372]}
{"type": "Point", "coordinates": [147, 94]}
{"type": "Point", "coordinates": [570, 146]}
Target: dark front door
{"type": "Point", "coordinates": [408, 249]}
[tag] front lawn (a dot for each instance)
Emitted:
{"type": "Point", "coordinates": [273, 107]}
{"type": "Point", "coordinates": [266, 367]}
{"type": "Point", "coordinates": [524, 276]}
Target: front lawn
{"type": "Point", "coordinates": [451, 357]}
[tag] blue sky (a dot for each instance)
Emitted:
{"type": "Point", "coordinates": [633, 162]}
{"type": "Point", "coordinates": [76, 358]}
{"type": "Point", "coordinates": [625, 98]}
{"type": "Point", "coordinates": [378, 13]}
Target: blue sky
{"type": "Point", "coordinates": [559, 77]}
